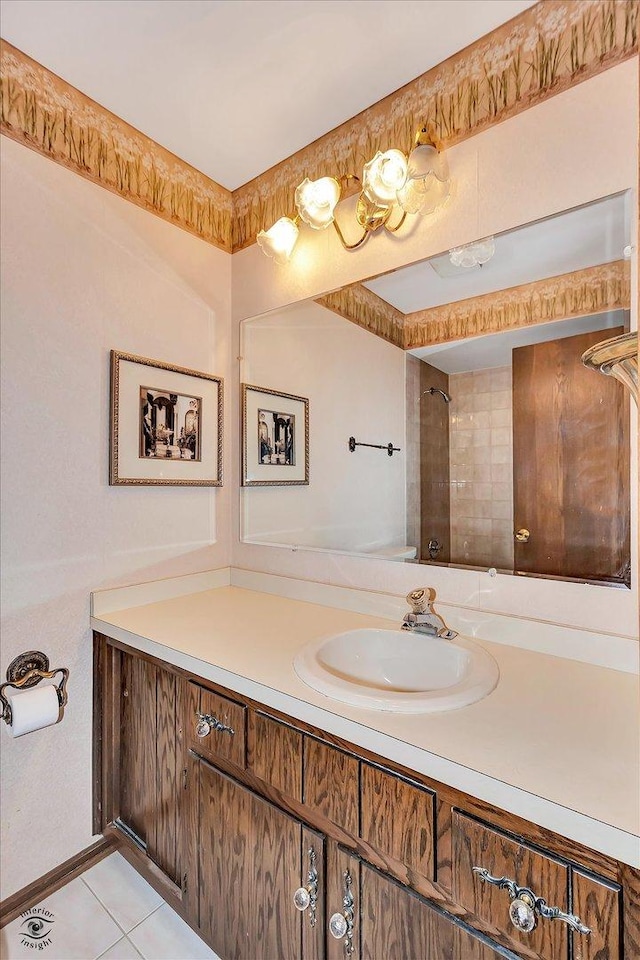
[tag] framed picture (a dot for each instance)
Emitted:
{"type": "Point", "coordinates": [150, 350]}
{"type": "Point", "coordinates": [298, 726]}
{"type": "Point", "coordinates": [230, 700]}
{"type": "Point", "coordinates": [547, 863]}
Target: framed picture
{"type": "Point", "coordinates": [275, 438]}
{"type": "Point", "coordinates": [166, 424]}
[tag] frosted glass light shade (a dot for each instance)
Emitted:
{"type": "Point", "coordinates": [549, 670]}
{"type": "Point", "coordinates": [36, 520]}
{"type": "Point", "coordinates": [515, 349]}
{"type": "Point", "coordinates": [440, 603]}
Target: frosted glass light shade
{"type": "Point", "coordinates": [423, 195]}
{"type": "Point", "coordinates": [316, 200]}
{"type": "Point", "coordinates": [427, 185]}
{"type": "Point", "coordinates": [383, 176]}
{"type": "Point", "coordinates": [278, 242]}
{"type": "Point", "coordinates": [473, 254]}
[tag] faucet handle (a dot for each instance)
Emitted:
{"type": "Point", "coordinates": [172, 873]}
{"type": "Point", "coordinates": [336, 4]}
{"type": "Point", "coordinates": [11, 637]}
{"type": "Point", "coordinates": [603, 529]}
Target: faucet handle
{"type": "Point", "coordinates": [420, 600]}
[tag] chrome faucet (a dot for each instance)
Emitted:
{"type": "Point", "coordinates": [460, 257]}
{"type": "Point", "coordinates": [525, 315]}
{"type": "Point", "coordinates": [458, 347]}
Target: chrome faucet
{"type": "Point", "coordinates": [423, 618]}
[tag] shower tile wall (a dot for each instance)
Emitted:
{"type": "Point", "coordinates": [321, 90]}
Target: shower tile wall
{"type": "Point", "coordinates": [434, 465]}
{"type": "Point", "coordinates": [413, 452]}
{"type": "Point", "coordinates": [481, 468]}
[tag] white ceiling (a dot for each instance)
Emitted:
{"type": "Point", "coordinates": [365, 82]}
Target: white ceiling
{"type": "Point", "coordinates": [235, 86]}
{"type": "Point", "coordinates": [583, 237]}
{"type": "Point", "coordinates": [494, 350]}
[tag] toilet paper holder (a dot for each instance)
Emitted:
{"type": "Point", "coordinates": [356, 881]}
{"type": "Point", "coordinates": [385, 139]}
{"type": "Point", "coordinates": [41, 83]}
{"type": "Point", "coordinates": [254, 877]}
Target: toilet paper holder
{"type": "Point", "coordinates": [27, 670]}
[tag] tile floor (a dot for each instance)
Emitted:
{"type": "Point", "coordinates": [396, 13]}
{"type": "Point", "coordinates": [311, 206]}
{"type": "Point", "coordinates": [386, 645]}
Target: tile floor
{"type": "Point", "coordinates": [109, 912]}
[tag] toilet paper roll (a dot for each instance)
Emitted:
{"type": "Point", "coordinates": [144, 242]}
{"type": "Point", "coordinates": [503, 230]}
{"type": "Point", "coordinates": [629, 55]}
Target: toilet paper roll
{"type": "Point", "coordinates": [33, 709]}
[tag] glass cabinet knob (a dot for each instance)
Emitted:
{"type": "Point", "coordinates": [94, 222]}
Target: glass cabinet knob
{"type": "Point", "coordinates": [306, 898]}
{"type": "Point", "coordinates": [522, 914]}
{"type": "Point", "coordinates": [203, 728]}
{"type": "Point", "coordinates": [301, 898]}
{"type": "Point", "coordinates": [338, 926]}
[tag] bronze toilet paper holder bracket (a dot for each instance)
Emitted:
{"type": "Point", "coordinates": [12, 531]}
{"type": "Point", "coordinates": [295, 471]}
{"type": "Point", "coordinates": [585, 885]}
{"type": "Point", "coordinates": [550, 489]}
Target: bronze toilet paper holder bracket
{"type": "Point", "coordinates": [27, 670]}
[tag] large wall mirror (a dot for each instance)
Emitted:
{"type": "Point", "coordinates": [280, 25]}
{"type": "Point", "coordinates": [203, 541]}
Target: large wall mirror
{"type": "Point", "coordinates": [509, 454]}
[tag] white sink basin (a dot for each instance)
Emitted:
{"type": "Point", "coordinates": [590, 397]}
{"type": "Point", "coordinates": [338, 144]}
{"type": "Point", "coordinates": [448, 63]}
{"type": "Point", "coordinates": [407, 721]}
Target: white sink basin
{"type": "Point", "coordinates": [398, 670]}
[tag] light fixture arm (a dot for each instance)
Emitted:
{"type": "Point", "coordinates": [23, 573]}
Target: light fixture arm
{"type": "Point", "coordinates": [349, 246]}
{"type": "Point", "coordinates": [398, 224]}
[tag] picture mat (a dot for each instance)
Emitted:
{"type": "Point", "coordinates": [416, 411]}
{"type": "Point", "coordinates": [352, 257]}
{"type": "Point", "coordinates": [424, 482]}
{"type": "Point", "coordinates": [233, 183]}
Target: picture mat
{"type": "Point", "coordinates": [132, 376]}
{"type": "Point", "coordinates": [255, 471]}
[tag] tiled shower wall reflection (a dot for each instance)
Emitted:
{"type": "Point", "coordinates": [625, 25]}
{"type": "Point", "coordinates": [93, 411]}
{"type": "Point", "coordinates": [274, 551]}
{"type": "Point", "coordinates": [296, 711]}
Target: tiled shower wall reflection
{"type": "Point", "coordinates": [481, 468]}
{"type": "Point", "coordinates": [413, 452]}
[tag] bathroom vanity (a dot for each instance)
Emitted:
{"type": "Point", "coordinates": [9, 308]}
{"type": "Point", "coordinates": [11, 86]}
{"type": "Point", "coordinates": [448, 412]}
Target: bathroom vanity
{"type": "Point", "coordinates": [276, 837]}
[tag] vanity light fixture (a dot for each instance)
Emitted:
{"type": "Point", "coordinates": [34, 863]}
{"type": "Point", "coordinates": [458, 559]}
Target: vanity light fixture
{"type": "Point", "coordinates": [392, 186]}
{"type": "Point", "coordinates": [473, 254]}
{"type": "Point", "coordinates": [278, 242]}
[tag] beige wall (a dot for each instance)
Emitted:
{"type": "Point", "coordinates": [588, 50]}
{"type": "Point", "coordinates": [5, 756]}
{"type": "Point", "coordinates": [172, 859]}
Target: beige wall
{"type": "Point", "coordinates": [549, 158]}
{"type": "Point", "coordinates": [83, 272]}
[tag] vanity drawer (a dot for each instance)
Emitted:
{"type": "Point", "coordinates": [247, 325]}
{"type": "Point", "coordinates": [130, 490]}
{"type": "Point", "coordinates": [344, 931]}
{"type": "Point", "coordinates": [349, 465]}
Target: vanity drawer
{"type": "Point", "coordinates": [331, 784]}
{"type": "Point", "coordinates": [598, 903]}
{"type": "Point", "coordinates": [226, 737]}
{"type": "Point", "coordinates": [274, 753]}
{"type": "Point", "coordinates": [475, 844]}
{"type": "Point", "coordinates": [397, 819]}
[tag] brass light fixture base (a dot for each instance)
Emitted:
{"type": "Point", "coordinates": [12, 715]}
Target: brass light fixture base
{"type": "Point", "coordinates": [371, 216]}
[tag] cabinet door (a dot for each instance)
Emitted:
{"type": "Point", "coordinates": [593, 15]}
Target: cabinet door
{"type": "Point", "coordinates": [343, 899]}
{"type": "Point", "coordinates": [137, 774]}
{"type": "Point", "coordinates": [399, 925]}
{"type": "Point", "coordinates": [151, 764]}
{"type": "Point", "coordinates": [253, 857]}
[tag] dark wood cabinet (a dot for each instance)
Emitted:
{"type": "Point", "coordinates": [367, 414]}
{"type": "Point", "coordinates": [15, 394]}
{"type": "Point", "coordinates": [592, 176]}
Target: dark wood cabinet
{"type": "Point", "coordinates": [592, 899]}
{"type": "Point", "coordinates": [331, 783]}
{"type": "Point", "coordinates": [397, 818]}
{"type": "Point", "coordinates": [477, 846]}
{"type": "Point", "coordinates": [151, 760]}
{"type": "Point", "coordinates": [216, 726]}
{"type": "Point", "coordinates": [399, 925]}
{"type": "Point", "coordinates": [229, 822]}
{"type": "Point", "coordinates": [252, 858]}
{"type": "Point", "coordinates": [275, 753]}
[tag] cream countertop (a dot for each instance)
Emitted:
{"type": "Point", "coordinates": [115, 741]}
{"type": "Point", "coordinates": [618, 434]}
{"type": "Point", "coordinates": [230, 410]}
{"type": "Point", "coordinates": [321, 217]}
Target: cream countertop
{"type": "Point", "coordinates": [557, 742]}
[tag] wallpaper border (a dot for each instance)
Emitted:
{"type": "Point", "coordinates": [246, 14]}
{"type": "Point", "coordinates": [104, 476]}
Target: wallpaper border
{"type": "Point", "coordinates": [48, 115]}
{"type": "Point", "coordinates": [542, 52]}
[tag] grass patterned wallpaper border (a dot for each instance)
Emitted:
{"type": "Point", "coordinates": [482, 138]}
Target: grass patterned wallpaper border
{"type": "Point", "coordinates": [544, 51]}
{"type": "Point", "coordinates": [577, 294]}
{"type": "Point", "coordinates": [50, 116]}
{"type": "Point", "coordinates": [361, 306]}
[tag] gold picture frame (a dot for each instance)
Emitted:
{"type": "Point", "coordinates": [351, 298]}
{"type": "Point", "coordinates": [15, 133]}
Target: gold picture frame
{"type": "Point", "coordinates": [166, 424]}
{"type": "Point", "coordinates": [275, 438]}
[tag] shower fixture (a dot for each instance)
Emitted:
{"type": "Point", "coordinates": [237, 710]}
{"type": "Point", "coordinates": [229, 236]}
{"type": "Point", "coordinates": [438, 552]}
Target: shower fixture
{"type": "Point", "coordinates": [432, 390]}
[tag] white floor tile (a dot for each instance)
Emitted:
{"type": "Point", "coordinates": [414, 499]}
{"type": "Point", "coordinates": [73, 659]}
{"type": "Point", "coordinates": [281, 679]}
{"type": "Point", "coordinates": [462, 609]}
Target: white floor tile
{"type": "Point", "coordinates": [122, 950]}
{"type": "Point", "coordinates": [125, 894]}
{"type": "Point", "coordinates": [165, 936]}
{"type": "Point", "coordinates": [77, 928]}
